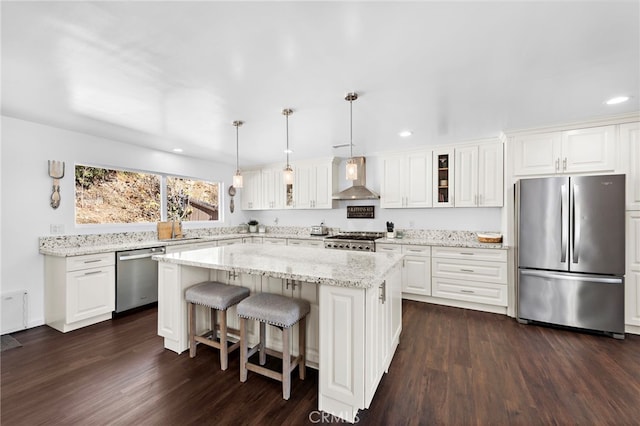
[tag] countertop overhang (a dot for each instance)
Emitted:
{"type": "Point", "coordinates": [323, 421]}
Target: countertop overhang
{"type": "Point", "coordinates": [331, 267]}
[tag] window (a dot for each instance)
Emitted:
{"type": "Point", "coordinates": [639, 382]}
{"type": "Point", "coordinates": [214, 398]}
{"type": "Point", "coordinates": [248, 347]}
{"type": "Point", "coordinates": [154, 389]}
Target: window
{"type": "Point", "coordinates": [190, 200]}
{"type": "Point", "coordinates": [116, 196]}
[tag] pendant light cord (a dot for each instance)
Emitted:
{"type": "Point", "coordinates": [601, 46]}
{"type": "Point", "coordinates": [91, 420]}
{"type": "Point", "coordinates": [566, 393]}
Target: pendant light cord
{"type": "Point", "coordinates": [351, 127]}
{"type": "Point", "coordinates": [287, 117]}
{"type": "Point", "coordinates": [237, 150]}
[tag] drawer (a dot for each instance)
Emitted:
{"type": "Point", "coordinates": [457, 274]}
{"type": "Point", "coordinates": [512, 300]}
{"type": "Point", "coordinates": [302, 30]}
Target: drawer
{"type": "Point", "coordinates": [469, 291]}
{"type": "Point", "coordinates": [493, 272]}
{"type": "Point", "coordinates": [75, 263]}
{"type": "Point", "coordinates": [389, 248]}
{"type": "Point", "coordinates": [280, 241]}
{"type": "Point", "coordinates": [305, 243]}
{"type": "Point", "coordinates": [495, 255]}
{"type": "Point", "coordinates": [229, 242]}
{"type": "Point", "coordinates": [417, 250]}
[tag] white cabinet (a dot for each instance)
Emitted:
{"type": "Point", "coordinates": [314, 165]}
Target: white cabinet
{"type": "Point", "coordinates": [630, 143]}
{"type": "Point", "coordinates": [251, 196]}
{"type": "Point", "coordinates": [407, 180]}
{"type": "Point", "coordinates": [174, 248]}
{"type": "Point", "coordinates": [273, 189]}
{"type": "Point", "coordinates": [632, 280]}
{"type": "Point", "coordinates": [416, 271]}
{"type": "Point", "coordinates": [443, 177]}
{"type": "Point", "coordinates": [230, 241]}
{"type": "Point", "coordinates": [79, 290]}
{"type": "Point", "coordinates": [479, 175]}
{"type": "Point", "coordinates": [315, 184]}
{"type": "Point", "coordinates": [277, 241]}
{"type": "Point", "coordinates": [469, 274]}
{"type": "Point", "coordinates": [572, 151]}
{"type": "Point", "coordinates": [305, 243]}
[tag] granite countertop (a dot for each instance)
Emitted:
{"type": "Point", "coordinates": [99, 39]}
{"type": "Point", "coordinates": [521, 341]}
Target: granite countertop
{"type": "Point", "coordinates": [334, 267]}
{"type": "Point", "coordinates": [441, 242]}
{"type": "Point", "coordinates": [83, 247]}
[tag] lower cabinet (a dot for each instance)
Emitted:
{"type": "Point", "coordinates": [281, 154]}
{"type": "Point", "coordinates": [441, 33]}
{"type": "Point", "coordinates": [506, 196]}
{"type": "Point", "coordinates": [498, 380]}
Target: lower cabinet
{"type": "Point", "coordinates": [357, 324]}
{"type": "Point", "coordinates": [632, 279]}
{"type": "Point", "coordinates": [416, 267]}
{"type": "Point", "coordinates": [79, 290]}
{"type": "Point", "coordinates": [305, 243]}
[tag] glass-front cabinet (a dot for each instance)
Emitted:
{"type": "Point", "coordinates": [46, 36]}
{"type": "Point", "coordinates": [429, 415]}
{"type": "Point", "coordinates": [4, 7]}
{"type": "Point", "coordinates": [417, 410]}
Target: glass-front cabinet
{"type": "Point", "coordinates": [443, 177]}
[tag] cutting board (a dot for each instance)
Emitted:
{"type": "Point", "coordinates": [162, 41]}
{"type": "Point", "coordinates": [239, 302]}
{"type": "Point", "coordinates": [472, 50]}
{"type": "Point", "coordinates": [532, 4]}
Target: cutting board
{"type": "Point", "coordinates": [164, 230]}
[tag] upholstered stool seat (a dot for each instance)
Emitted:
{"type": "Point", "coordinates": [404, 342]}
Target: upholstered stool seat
{"type": "Point", "coordinates": [282, 312]}
{"type": "Point", "coordinates": [219, 297]}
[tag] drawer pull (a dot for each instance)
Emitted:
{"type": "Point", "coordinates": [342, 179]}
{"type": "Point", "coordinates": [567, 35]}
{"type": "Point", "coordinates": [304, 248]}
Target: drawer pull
{"type": "Point", "coordinates": [93, 272]}
{"type": "Point", "coordinates": [466, 254]}
{"type": "Point", "coordinates": [92, 261]}
{"type": "Point", "coordinates": [467, 270]}
{"type": "Point", "coordinates": [467, 291]}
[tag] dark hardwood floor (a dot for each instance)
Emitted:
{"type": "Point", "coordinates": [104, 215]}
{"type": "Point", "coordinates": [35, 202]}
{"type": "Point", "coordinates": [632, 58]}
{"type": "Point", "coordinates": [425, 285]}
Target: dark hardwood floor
{"type": "Point", "coordinates": [453, 366]}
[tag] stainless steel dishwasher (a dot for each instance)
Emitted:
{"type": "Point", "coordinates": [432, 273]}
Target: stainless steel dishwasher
{"type": "Point", "coordinates": [136, 278]}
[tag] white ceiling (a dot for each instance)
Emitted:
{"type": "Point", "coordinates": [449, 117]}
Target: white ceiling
{"type": "Point", "coordinates": [176, 74]}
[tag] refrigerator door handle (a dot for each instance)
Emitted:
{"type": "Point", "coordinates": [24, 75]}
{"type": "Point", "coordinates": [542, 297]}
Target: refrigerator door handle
{"type": "Point", "coordinates": [564, 226]}
{"type": "Point", "coordinates": [577, 210]}
{"type": "Point", "coordinates": [570, 277]}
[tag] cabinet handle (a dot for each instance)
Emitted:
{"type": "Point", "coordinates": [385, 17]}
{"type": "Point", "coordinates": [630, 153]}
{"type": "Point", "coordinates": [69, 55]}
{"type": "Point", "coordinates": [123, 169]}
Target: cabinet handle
{"type": "Point", "coordinates": [466, 254]}
{"type": "Point", "coordinates": [564, 164]}
{"type": "Point", "coordinates": [557, 164]}
{"type": "Point", "coordinates": [467, 291]}
{"type": "Point", "coordinates": [92, 261]}
{"type": "Point", "coordinates": [466, 270]}
{"type": "Point", "coordinates": [93, 272]}
{"type": "Point", "coordinates": [383, 292]}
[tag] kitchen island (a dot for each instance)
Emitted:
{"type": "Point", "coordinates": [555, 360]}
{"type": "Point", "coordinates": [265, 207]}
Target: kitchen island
{"type": "Point", "coordinates": [355, 321]}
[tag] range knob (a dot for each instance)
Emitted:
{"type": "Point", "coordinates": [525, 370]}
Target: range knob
{"type": "Point", "coordinates": [367, 248]}
{"type": "Point", "coordinates": [360, 248]}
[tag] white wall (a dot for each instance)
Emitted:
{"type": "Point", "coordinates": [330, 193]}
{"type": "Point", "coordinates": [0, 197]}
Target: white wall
{"type": "Point", "coordinates": [25, 190]}
{"type": "Point", "coordinates": [455, 219]}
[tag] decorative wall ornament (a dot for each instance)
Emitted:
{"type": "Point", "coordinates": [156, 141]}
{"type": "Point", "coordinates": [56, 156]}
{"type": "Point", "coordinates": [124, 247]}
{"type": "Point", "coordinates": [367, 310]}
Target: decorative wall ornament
{"type": "Point", "coordinates": [56, 171]}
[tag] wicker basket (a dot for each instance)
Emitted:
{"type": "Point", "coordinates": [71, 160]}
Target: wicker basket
{"type": "Point", "coordinates": [490, 238]}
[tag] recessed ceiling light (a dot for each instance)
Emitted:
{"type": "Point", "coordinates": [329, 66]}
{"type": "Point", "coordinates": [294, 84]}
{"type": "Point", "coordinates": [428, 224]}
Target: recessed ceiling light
{"type": "Point", "coordinates": [617, 100]}
{"type": "Point", "coordinates": [405, 133]}
{"type": "Point", "coordinates": [177, 149]}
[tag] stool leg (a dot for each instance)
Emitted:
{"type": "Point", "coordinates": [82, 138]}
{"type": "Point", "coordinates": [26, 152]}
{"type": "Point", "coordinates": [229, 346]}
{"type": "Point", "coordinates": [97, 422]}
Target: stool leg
{"type": "Point", "coordinates": [214, 314]}
{"type": "Point", "coordinates": [243, 350]}
{"type": "Point", "coordinates": [302, 347]}
{"type": "Point", "coordinates": [191, 310]}
{"type": "Point", "coordinates": [224, 350]}
{"type": "Point", "coordinates": [263, 343]}
{"type": "Point", "coordinates": [286, 364]}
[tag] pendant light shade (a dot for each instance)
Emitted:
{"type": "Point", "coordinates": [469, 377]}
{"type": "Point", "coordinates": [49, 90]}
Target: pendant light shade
{"type": "Point", "coordinates": [237, 178]}
{"type": "Point", "coordinates": [287, 176]}
{"type": "Point", "coordinates": [352, 166]}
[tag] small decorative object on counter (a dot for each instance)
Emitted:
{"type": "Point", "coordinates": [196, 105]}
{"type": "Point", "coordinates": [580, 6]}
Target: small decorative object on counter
{"type": "Point", "coordinates": [390, 232]}
{"type": "Point", "coordinates": [262, 229]}
{"type": "Point", "coordinates": [489, 237]}
{"type": "Point", "coordinates": [244, 228]}
{"type": "Point", "coordinates": [56, 171]}
{"type": "Point", "coordinates": [253, 226]}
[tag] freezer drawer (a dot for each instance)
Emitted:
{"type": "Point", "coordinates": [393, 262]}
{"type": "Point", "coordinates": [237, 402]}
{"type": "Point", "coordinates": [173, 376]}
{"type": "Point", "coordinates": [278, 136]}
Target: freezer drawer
{"type": "Point", "coordinates": [574, 300]}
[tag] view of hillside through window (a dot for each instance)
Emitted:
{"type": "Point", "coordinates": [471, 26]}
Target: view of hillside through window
{"type": "Point", "coordinates": [117, 196]}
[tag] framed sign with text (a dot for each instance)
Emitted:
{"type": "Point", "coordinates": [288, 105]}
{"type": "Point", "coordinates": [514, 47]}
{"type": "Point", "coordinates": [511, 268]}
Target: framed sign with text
{"type": "Point", "coordinates": [360, 212]}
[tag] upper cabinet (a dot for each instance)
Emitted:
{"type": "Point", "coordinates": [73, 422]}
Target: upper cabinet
{"type": "Point", "coordinates": [406, 180]}
{"type": "Point", "coordinates": [273, 189]}
{"type": "Point", "coordinates": [251, 196]}
{"type": "Point", "coordinates": [572, 151]}
{"type": "Point", "coordinates": [630, 144]}
{"type": "Point", "coordinates": [315, 183]}
{"type": "Point", "coordinates": [479, 175]}
{"type": "Point", "coordinates": [443, 177]}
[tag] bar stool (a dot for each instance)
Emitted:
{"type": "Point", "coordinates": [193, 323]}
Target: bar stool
{"type": "Point", "coordinates": [218, 297]}
{"type": "Point", "coordinates": [282, 312]}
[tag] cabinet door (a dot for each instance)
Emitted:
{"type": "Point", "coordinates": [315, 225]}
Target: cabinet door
{"type": "Point", "coordinates": [632, 281]}
{"type": "Point", "coordinates": [418, 180]}
{"type": "Point", "coordinates": [392, 194]}
{"type": "Point", "coordinates": [490, 175]}
{"type": "Point", "coordinates": [630, 143]}
{"type": "Point", "coordinates": [537, 154]}
{"type": "Point", "coordinates": [90, 292]}
{"type": "Point", "coordinates": [251, 190]}
{"type": "Point", "coordinates": [273, 190]}
{"type": "Point", "coordinates": [416, 277]}
{"type": "Point", "coordinates": [589, 150]}
{"type": "Point", "coordinates": [303, 183]}
{"type": "Point", "coordinates": [466, 172]}
{"type": "Point", "coordinates": [323, 189]}
{"type": "Point", "coordinates": [443, 178]}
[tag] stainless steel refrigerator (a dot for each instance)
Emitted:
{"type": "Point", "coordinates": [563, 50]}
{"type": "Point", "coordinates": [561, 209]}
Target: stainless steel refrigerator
{"type": "Point", "coordinates": [571, 259]}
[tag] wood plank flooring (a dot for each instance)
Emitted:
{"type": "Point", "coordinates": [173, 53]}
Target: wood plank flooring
{"type": "Point", "coordinates": [453, 367]}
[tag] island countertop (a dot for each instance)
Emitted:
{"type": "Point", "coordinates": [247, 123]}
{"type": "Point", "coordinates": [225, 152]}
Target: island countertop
{"type": "Point", "coordinates": [331, 267]}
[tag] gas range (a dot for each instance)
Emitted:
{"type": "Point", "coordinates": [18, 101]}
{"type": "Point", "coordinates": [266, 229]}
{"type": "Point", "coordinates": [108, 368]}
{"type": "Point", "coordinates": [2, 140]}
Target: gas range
{"type": "Point", "coordinates": [360, 241]}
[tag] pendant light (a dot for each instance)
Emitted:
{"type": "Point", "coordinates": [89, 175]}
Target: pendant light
{"type": "Point", "coordinates": [288, 171]}
{"type": "Point", "coordinates": [352, 166]}
{"type": "Point", "coordinates": [237, 178]}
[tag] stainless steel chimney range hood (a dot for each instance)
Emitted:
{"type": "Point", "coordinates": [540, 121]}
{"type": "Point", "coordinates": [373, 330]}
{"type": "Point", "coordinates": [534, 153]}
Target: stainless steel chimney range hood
{"type": "Point", "coordinates": [358, 191]}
